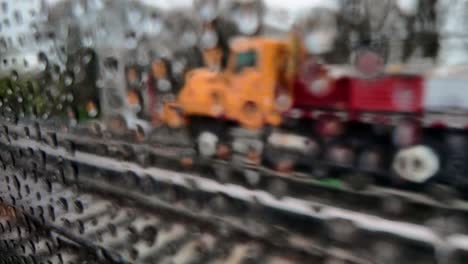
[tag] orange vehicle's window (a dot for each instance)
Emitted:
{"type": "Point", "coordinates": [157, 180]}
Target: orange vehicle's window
{"type": "Point", "coordinates": [246, 59]}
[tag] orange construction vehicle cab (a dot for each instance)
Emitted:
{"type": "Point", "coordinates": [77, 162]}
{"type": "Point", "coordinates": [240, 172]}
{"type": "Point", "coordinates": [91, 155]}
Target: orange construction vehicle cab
{"type": "Point", "coordinates": [246, 91]}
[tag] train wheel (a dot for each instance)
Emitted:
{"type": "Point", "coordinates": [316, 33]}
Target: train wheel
{"type": "Point", "coordinates": [341, 155]}
{"type": "Point", "coordinates": [416, 164]}
{"type": "Point", "coordinates": [370, 160]}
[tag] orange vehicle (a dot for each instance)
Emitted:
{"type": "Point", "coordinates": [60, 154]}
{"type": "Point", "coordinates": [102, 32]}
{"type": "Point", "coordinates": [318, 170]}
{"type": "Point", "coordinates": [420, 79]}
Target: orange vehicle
{"type": "Point", "coordinates": [251, 91]}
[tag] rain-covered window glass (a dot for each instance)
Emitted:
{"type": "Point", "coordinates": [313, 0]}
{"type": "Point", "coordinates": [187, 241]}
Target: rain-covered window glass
{"type": "Point", "coordinates": [4, 7]}
{"type": "Point", "coordinates": [246, 59]}
{"type": "Point", "coordinates": [18, 17]}
{"type": "Point", "coordinates": [111, 64]}
{"type": "Point", "coordinates": [21, 40]}
{"type": "Point", "coordinates": [3, 44]}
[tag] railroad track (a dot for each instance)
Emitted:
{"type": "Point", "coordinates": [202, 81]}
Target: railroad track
{"type": "Point", "coordinates": [398, 205]}
{"type": "Point", "coordinates": [112, 177]}
{"type": "Point", "coordinates": [118, 232]}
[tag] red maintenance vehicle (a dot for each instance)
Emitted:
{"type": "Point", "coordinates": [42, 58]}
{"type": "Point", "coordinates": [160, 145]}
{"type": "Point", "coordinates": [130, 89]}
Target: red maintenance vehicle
{"type": "Point", "coordinates": [402, 128]}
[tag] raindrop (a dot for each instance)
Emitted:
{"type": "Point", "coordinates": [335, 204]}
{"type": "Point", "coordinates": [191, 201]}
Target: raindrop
{"type": "Point", "coordinates": [86, 59]}
{"type": "Point", "coordinates": [68, 79]}
{"type": "Point", "coordinates": [77, 9]}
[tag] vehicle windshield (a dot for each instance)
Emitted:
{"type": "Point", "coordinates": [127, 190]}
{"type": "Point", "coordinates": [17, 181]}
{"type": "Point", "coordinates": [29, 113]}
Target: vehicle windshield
{"type": "Point", "coordinates": [246, 59]}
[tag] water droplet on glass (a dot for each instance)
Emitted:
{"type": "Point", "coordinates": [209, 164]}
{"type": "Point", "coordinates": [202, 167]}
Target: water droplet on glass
{"type": "Point", "coordinates": [179, 65]}
{"type": "Point", "coordinates": [68, 80]}
{"type": "Point", "coordinates": [14, 76]}
{"type": "Point", "coordinates": [209, 39]}
{"type": "Point", "coordinates": [77, 69]}
{"type": "Point", "coordinates": [78, 9]}
{"type": "Point", "coordinates": [207, 9]}
{"type": "Point", "coordinates": [188, 38]}
{"type": "Point", "coordinates": [96, 4]}
{"type": "Point", "coordinates": [154, 24]}
{"type": "Point", "coordinates": [134, 17]}
{"type": "Point", "coordinates": [87, 58]}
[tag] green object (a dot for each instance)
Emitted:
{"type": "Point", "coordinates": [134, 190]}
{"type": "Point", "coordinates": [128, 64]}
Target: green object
{"type": "Point", "coordinates": [331, 182]}
{"type": "Point", "coordinates": [42, 97]}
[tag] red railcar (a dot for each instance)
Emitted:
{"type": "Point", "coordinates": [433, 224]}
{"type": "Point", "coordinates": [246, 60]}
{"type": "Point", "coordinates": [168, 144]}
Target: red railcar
{"type": "Point", "coordinates": [391, 93]}
{"type": "Point", "coordinates": [354, 96]}
{"type": "Point", "coordinates": [345, 112]}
